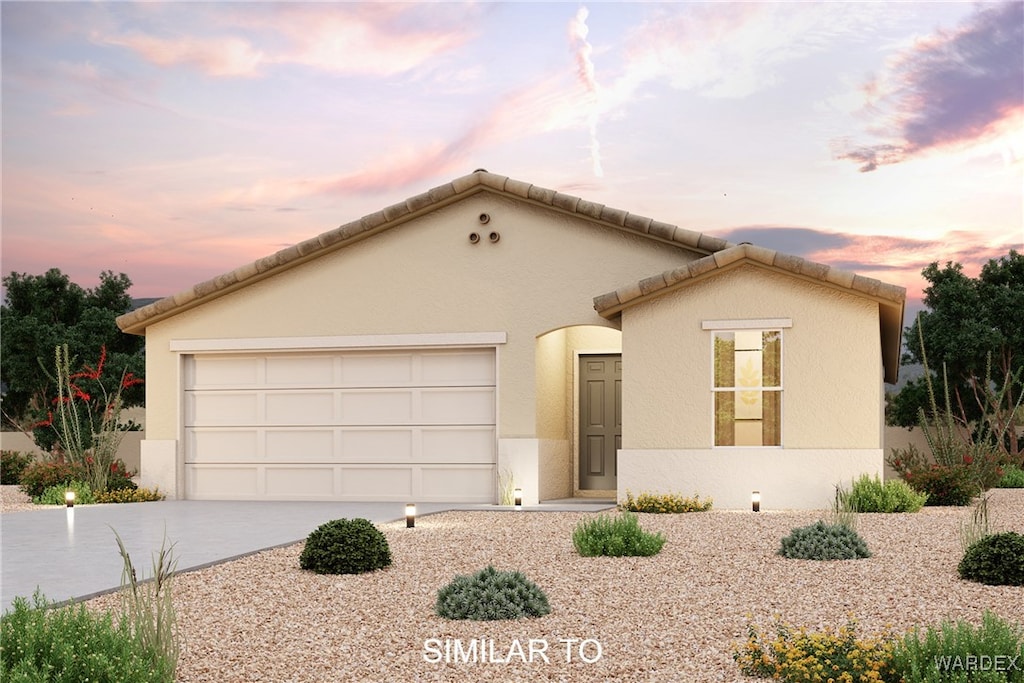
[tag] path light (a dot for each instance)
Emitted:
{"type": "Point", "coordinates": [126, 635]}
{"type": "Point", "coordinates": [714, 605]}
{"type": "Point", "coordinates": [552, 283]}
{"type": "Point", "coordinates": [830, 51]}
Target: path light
{"type": "Point", "coordinates": [518, 498]}
{"type": "Point", "coordinates": [410, 515]}
{"type": "Point", "coordinates": [69, 498]}
{"type": "Point", "coordinates": [755, 501]}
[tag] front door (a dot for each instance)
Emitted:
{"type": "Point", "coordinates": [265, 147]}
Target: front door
{"type": "Point", "coordinates": [600, 420]}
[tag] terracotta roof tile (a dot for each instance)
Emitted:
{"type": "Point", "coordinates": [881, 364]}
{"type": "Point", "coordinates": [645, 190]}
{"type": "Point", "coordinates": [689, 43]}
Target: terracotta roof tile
{"type": "Point", "coordinates": [653, 284]}
{"type": "Point", "coordinates": [566, 202]}
{"type": "Point", "coordinates": [689, 238]}
{"type": "Point", "coordinates": [662, 230]}
{"type": "Point", "coordinates": [614, 216]}
{"type": "Point", "coordinates": [518, 188]}
{"type": "Point", "coordinates": [589, 209]}
{"type": "Point", "coordinates": [136, 321]}
{"type": "Point", "coordinates": [542, 195]}
{"type": "Point", "coordinates": [636, 223]}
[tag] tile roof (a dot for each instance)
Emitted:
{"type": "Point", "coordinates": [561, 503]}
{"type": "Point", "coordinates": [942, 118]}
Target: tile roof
{"type": "Point", "coordinates": [135, 322]}
{"type": "Point", "coordinates": [890, 298]}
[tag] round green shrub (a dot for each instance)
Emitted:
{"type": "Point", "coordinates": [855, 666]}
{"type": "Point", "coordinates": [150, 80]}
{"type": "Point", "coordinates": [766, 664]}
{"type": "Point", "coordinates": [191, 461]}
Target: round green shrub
{"type": "Point", "coordinates": [345, 546]}
{"type": "Point", "coordinates": [995, 560]}
{"type": "Point", "coordinates": [615, 536]}
{"type": "Point", "coordinates": [39, 476]}
{"type": "Point", "coordinates": [821, 541]}
{"type": "Point", "coordinates": [54, 495]}
{"type": "Point", "coordinates": [490, 595]}
{"type": "Point", "coordinates": [12, 464]}
{"type": "Point", "coordinates": [1013, 478]}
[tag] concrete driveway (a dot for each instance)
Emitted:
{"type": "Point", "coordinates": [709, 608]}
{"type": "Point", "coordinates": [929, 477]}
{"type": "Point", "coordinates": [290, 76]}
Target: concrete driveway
{"type": "Point", "coordinates": [73, 553]}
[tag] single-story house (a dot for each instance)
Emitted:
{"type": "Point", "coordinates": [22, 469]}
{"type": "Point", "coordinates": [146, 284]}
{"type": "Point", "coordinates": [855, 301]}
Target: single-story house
{"type": "Point", "coordinates": [491, 331]}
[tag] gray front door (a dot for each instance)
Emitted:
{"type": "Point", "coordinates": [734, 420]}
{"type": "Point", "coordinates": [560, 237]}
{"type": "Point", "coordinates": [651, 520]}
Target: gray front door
{"type": "Point", "coordinates": [600, 419]}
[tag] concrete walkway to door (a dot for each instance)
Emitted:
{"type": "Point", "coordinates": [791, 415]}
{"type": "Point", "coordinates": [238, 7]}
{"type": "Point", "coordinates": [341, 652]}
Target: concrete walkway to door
{"type": "Point", "coordinates": [73, 553]}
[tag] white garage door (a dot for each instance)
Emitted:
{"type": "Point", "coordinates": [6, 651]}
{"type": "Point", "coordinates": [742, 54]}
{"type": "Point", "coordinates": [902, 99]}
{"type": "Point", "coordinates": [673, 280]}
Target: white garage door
{"type": "Point", "coordinates": [356, 425]}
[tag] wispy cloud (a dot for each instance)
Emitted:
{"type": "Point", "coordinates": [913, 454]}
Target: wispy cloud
{"type": "Point", "coordinates": [578, 32]}
{"type": "Point", "coordinates": [890, 258]}
{"type": "Point", "coordinates": [380, 39]}
{"type": "Point", "coordinates": [950, 89]}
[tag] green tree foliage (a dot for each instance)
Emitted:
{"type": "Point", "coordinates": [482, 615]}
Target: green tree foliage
{"type": "Point", "coordinates": [973, 327]}
{"type": "Point", "coordinates": [42, 312]}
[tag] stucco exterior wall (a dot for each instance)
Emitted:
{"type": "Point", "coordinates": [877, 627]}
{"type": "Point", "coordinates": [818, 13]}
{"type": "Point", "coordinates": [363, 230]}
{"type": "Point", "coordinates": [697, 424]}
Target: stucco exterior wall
{"type": "Point", "coordinates": [427, 277]}
{"type": "Point", "coordinates": [832, 418]}
{"type": "Point", "coordinates": [787, 479]}
{"type": "Point", "coordinates": [831, 362]}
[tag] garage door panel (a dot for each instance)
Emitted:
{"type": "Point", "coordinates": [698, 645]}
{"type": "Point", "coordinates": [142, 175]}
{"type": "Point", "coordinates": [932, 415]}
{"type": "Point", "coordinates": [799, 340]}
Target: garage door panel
{"type": "Point", "coordinates": [458, 368]}
{"type": "Point", "coordinates": [222, 482]}
{"type": "Point", "coordinates": [299, 483]}
{"type": "Point", "coordinates": [222, 445]}
{"type": "Point", "coordinates": [376, 370]}
{"type": "Point", "coordinates": [380, 444]}
{"type": "Point", "coordinates": [458, 444]}
{"type": "Point", "coordinates": [376, 407]}
{"type": "Point", "coordinates": [299, 408]}
{"type": "Point", "coordinates": [457, 406]}
{"type": "Point", "coordinates": [299, 445]}
{"type": "Point", "coordinates": [222, 408]}
{"type": "Point", "coordinates": [468, 484]}
{"type": "Point", "coordinates": [304, 371]}
{"type": "Point", "coordinates": [210, 372]}
{"type": "Point", "coordinates": [381, 483]}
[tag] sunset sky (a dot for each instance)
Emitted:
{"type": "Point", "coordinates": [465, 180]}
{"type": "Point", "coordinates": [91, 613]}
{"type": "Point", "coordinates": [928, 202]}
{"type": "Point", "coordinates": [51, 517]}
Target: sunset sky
{"type": "Point", "coordinates": [174, 142]}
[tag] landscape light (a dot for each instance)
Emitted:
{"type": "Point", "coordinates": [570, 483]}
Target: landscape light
{"type": "Point", "coordinates": [755, 501]}
{"type": "Point", "coordinates": [518, 498]}
{"type": "Point", "coordinates": [69, 498]}
{"type": "Point", "coordinates": [410, 515]}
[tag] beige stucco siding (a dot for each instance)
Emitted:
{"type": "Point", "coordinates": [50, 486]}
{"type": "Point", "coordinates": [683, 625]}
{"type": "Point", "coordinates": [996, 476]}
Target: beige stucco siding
{"type": "Point", "coordinates": [831, 361]}
{"type": "Point", "coordinates": [426, 277]}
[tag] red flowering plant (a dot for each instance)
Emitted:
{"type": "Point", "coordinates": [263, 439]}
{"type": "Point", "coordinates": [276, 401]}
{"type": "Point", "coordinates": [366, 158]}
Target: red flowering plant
{"type": "Point", "coordinates": [85, 417]}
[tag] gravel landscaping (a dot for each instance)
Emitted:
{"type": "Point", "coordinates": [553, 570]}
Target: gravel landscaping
{"type": "Point", "coordinates": [670, 617]}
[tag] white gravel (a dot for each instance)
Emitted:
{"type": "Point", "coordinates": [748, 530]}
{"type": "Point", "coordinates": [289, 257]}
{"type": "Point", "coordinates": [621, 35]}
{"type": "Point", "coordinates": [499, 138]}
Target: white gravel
{"type": "Point", "coordinates": [671, 617]}
{"type": "Point", "coordinates": [13, 500]}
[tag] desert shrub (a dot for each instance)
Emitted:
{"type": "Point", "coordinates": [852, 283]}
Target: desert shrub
{"type": "Point", "coordinates": [952, 485]}
{"type": "Point", "coordinates": [54, 495]}
{"type": "Point", "coordinates": [821, 541]}
{"type": "Point", "coordinates": [12, 464]}
{"type": "Point", "coordinates": [1013, 478]}
{"type": "Point", "coordinates": [136, 495]}
{"type": "Point", "coordinates": [39, 476]}
{"type": "Point", "coordinates": [996, 560]}
{"type": "Point", "coordinates": [615, 536]}
{"type": "Point", "coordinates": [45, 644]}
{"type": "Point", "coordinates": [954, 482]}
{"type": "Point", "coordinates": [490, 595]}
{"type": "Point", "coordinates": [345, 546]}
{"type": "Point", "coordinates": [957, 651]}
{"type": "Point", "coordinates": [119, 477]}
{"type": "Point", "coordinates": [869, 494]}
{"type": "Point", "coordinates": [794, 654]}
{"type": "Point", "coordinates": [664, 503]}
{"type": "Point", "coordinates": [147, 607]}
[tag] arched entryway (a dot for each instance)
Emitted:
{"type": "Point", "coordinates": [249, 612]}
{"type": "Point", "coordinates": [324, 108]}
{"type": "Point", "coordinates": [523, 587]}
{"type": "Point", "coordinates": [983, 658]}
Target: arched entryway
{"type": "Point", "coordinates": [578, 410]}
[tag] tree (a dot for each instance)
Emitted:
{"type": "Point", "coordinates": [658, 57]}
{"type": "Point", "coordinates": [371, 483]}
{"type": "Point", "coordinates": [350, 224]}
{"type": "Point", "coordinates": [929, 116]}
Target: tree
{"type": "Point", "coordinates": [42, 312]}
{"type": "Point", "coordinates": [974, 327]}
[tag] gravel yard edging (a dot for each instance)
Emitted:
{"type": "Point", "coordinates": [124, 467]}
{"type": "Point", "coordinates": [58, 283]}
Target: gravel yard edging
{"type": "Point", "coordinates": [674, 616]}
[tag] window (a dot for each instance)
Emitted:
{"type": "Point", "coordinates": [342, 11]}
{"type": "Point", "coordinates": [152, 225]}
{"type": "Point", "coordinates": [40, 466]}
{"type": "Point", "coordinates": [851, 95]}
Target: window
{"type": "Point", "coordinates": [747, 387]}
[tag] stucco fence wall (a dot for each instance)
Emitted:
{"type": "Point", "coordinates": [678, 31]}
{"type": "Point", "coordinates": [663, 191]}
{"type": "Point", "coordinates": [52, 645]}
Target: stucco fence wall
{"type": "Point", "coordinates": [128, 452]}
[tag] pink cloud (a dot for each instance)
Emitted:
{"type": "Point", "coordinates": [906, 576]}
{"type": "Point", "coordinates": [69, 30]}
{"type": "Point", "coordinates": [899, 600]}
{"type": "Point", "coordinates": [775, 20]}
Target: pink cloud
{"type": "Point", "coordinates": [951, 89]}
{"type": "Point", "coordinates": [222, 56]}
{"type": "Point", "coordinates": [371, 40]}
